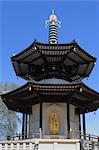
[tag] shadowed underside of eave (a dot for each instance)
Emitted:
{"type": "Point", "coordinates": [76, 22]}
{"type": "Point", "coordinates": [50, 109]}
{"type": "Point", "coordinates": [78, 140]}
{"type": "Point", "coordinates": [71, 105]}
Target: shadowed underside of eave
{"type": "Point", "coordinates": [42, 61]}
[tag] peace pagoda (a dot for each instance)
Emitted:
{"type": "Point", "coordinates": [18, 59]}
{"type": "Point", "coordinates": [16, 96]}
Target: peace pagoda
{"type": "Point", "coordinates": [55, 98]}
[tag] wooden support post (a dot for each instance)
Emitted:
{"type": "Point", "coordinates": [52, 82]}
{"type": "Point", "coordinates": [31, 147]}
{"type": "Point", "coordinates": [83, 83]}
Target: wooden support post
{"type": "Point", "coordinates": [89, 137]}
{"type": "Point", "coordinates": [41, 115]}
{"type": "Point", "coordinates": [40, 126]}
{"type": "Point", "coordinates": [98, 138]}
{"type": "Point", "coordinates": [98, 141]}
{"type": "Point", "coordinates": [79, 127]}
{"type": "Point", "coordinates": [23, 125]}
{"type": "Point", "coordinates": [68, 121]}
{"type": "Point", "coordinates": [84, 125]}
{"type": "Point", "coordinates": [8, 137]}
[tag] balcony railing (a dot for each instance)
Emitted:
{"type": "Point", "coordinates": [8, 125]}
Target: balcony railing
{"type": "Point", "coordinates": [89, 145]}
{"type": "Point", "coordinates": [39, 135]}
{"type": "Point", "coordinates": [25, 135]}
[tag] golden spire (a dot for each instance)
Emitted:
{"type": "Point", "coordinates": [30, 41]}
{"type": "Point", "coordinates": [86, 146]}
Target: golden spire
{"type": "Point", "coordinates": [53, 23]}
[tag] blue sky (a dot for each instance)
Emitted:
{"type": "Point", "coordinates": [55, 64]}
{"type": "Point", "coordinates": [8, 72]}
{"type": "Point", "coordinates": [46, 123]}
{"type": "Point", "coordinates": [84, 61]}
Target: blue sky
{"type": "Point", "coordinates": [22, 21]}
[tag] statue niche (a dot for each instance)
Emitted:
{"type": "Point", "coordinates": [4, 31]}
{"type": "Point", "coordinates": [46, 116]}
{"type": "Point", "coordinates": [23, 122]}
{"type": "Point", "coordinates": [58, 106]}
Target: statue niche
{"type": "Point", "coordinates": [54, 123]}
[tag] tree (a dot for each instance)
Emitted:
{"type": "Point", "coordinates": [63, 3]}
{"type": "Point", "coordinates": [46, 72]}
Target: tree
{"type": "Point", "coordinates": [8, 119]}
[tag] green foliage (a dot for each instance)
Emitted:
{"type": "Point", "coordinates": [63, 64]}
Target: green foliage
{"type": "Point", "coordinates": [8, 119]}
{"type": "Point", "coordinates": [8, 86]}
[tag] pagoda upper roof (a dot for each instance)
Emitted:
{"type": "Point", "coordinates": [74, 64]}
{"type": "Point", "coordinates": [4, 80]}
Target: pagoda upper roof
{"type": "Point", "coordinates": [77, 93]}
{"type": "Point", "coordinates": [66, 61]}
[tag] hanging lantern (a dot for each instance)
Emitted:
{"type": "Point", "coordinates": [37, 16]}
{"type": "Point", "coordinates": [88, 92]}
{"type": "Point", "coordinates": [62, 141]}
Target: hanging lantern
{"type": "Point", "coordinates": [29, 88]}
{"type": "Point", "coordinates": [94, 113]}
{"type": "Point", "coordinates": [87, 111]}
{"type": "Point", "coordinates": [81, 90]}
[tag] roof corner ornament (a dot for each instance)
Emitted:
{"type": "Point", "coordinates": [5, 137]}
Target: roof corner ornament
{"type": "Point", "coordinates": [53, 23]}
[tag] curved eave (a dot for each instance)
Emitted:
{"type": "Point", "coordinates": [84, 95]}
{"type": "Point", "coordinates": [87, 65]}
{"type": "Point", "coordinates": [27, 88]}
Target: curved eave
{"type": "Point", "coordinates": [83, 51]}
{"type": "Point", "coordinates": [22, 52]}
{"type": "Point", "coordinates": [36, 43]}
{"type": "Point", "coordinates": [78, 94]}
{"type": "Point", "coordinates": [41, 86]}
{"type": "Point", "coordinates": [72, 43]}
{"type": "Point", "coordinates": [90, 90]}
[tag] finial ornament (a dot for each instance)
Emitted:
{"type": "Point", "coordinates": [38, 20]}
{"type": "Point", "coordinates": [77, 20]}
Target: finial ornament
{"type": "Point", "coordinates": [53, 20]}
{"type": "Point", "coordinates": [53, 23]}
{"type": "Point", "coordinates": [52, 11]}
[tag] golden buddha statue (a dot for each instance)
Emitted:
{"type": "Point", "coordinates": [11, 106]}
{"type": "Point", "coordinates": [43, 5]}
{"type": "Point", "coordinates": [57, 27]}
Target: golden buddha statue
{"type": "Point", "coordinates": [54, 123]}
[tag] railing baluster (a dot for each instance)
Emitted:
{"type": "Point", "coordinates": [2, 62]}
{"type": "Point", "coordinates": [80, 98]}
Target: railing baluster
{"type": "Point", "coordinates": [12, 146]}
{"type": "Point", "coordinates": [98, 144]}
{"type": "Point", "coordinates": [30, 146]}
{"type": "Point", "coordinates": [0, 146]}
{"type": "Point", "coordinates": [19, 136]}
{"type": "Point", "coordinates": [6, 146]}
{"type": "Point", "coordinates": [24, 146]}
{"type": "Point", "coordinates": [18, 146]}
{"type": "Point", "coordinates": [89, 137]}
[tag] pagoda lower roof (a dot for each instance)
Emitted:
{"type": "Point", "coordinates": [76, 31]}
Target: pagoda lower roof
{"type": "Point", "coordinates": [41, 61]}
{"type": "Point", "coordinates": [21, 99]}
